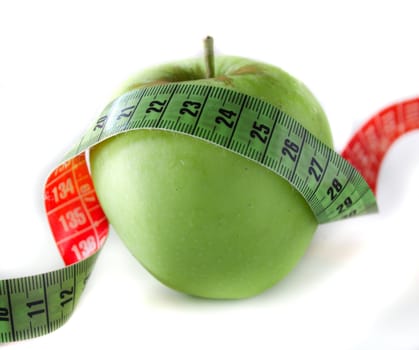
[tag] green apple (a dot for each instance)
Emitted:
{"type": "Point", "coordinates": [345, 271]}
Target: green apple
{"type": "Point", "coordinates": [201, 219]}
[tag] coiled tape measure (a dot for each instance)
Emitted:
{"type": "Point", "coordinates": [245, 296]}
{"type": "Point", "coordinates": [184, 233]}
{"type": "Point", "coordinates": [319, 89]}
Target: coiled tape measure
{"type": "Point", "coordinates": [334, 186]}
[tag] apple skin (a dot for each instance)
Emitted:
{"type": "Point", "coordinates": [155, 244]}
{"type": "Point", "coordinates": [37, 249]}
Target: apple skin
{"type": "Point", "coordinates": [201, 219]}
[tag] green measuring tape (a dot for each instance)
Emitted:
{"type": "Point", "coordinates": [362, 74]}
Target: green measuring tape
{"type": "Point", "coordinates": [334, 189]}
{"type": "Point", "coordinates": [36, 305]}
{"type": "Point", "coordinates": [255, 129]}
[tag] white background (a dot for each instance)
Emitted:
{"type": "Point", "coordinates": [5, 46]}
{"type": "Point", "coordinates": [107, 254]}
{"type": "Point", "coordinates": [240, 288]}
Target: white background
{"type": "Point", "coordinates": [357, 287]}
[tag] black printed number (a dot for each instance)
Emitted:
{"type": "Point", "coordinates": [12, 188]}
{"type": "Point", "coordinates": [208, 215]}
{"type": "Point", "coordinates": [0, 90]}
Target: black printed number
{"type": "Point", "coordinates": [315, 169]}
{"type": "Point", "coordinates": [36, 307]}
{"type": "Point", "coordinates": [125, 112]}
{"type": "Point", "coordinates": [260, 131]}
{"type": "Point", "coordinates": [290, 149]}
{"type": "Point", "coordinates": [334, 190]}
{"type": "Point", "coordinates": [225, 117]}
{"type": "Point", "coordinates": [190, 108]}
{"type": "Point", "coordinates": [66, 296]}
{"type": "Point", "coordinates": [347, 203]}
{"type": "Point", "coordinates": [156, 106]}
{"type": "Point", "coordinates": [4, 314]}
{"type": "Point", "coordinates": [100, 123]}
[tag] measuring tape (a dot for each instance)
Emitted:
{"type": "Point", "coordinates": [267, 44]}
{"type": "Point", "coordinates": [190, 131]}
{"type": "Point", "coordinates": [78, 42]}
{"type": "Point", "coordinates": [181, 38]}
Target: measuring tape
{"type": "Point", "coordinates": [334, 186]}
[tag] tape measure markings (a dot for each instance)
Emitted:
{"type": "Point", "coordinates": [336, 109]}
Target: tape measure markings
{"type": "Point", "coordinates": [35, 305]}
{"type": "Point", "coordinates": [84, 203]}
{"type": "Point", "coordinates": [367, 148]}
{"type": "Point", "coordinates": [76, 218]}
{"type": "Point", "coordinates": [338, 187]}
{"type": "Point", "coordinates": [155, 107]}
{"type": "Point", "coordinates": [316, 168]}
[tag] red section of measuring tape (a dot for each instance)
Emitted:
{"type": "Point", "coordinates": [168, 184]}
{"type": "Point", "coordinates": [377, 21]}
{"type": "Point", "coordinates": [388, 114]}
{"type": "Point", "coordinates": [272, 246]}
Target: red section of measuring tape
{"type": "Point", "coordinates": [77, 221]}
{"type": "Point", "coordinates": [367, 148]}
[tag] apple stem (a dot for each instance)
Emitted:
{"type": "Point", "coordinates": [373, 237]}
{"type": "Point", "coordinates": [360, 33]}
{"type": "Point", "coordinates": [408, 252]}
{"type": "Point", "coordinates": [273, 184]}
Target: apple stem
{"type": "Point", "coordinates": [209, 56]}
